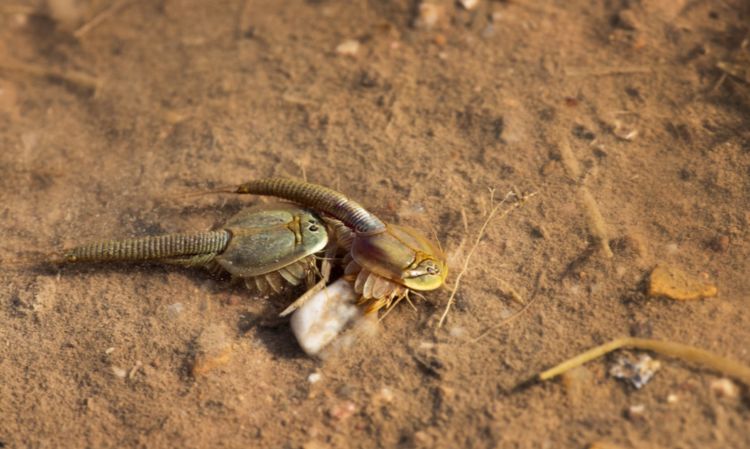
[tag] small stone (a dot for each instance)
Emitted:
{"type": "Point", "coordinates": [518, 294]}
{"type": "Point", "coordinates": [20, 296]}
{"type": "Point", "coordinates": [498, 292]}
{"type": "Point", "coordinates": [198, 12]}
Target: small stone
{"type": "Point", "coordinates": [422, 438]}
{"type": "Point", "coordinates": [673, 283]}
{"type": "Point", "coordinates": [343, 410]}
{"type": "Point", "coordinates": [636, 412]}
{"type": "Point", "coordinates": [137, 367]}
{"type": "Point", "coordinates": [68, 14]}
{"type": "Point", "coordinates": [324, 316]}
{"type": "Point", "coordinates": [672, 398]}
{"type": "Point", "coordinates": [672, 248]}
{"type": "Point", "coordinates": [119, 372]}
{"type": "Point", "coordinates": [628, 20]}
{"type": "Point", "coordinates": [314, 378]}
{"type": "Point", "coordinates": [666, 11]}
{"type": "Point", "coordinates": [349, 47]}
{"type": "Point", "coordinates": [368, 78]}
{"type": "Point", "coordinates": [720, 244]}
{"type": "Point", "coordinates": [428, 15]}
{"type": "Point", "coordinates": [469, 4]}
{"type": "Point", "coordinates": [384, 396]}
{"type": "Point", "coordinates": [637, 373]}
{"type": "Point", "coordinates": [213, 349]}
{"type": "Point", "coordinates": [109, 350]}
{"type": "Point", "coordinates": [725, 388]}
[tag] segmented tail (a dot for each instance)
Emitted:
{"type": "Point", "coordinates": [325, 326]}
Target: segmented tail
{"type": "Point", "coordinates": [316, 196]}
{"type": "Point", "coordinates": [149, 248]}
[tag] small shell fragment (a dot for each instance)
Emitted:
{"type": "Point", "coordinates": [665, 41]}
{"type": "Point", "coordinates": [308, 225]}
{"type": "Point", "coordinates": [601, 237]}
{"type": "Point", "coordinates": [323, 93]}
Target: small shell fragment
{"type": "Point", "coordinates": [637, 373]}
{"type": "Point", "coordinates": [349, 47]}
{"type": "Point", "coordinates": [321, 318]}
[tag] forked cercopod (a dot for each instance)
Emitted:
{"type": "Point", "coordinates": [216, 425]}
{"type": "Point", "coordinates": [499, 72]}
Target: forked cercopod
{"type": "Point", "coordinates": [387, 260]}
{"type": "Point", "coordinates": [266, 246]}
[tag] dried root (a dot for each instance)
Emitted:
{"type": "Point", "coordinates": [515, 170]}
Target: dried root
{"type": "Point", "coordinates": [698, 356]}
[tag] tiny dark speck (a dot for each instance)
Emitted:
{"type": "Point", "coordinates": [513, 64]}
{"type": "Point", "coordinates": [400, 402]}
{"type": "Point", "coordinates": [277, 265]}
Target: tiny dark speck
{"type": "Point", "coordinates": [686, 174]}
{"type": "Point", "coordinates": [633, 92]}
{"type": "Point", "coordinates": [582, 133]}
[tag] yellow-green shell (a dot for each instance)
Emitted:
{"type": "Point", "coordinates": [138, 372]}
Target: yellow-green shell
{"type": "Point", "coordinates": [270, 237]}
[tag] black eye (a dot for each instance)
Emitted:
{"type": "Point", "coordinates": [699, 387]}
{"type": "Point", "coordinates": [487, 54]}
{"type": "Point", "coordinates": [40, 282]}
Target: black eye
{"type": "Point", "coordinates": [312, 228]}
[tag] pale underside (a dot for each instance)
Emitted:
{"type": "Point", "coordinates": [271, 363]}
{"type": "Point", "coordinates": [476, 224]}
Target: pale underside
{"type": "Point", "coordinates": [303, 270]}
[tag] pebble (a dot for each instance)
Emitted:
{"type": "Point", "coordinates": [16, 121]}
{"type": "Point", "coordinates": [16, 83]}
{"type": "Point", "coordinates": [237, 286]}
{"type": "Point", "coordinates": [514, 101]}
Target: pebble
{"type": "Point", "coordinates": [672, 398]}
{"type": "Point", "coordinates": [314, 378]}
{"type": "Point", "coordinates": [324, 316]}
{"type": "Point", "coordinates": [628, 20]}
{"type": "Point", "coordinates": [349, 47]}
{"type": "Point", "coordinates": [213, 349]}
{"type": "Point", "coordinates": [637, 373]}
{"type": "Point", "coordinates": [469, 4]}
{"type": "Point", "coordinates": [119, 372]}
{"type": "Point", "coordinates": [725, 388]}
{"type": "Point", "coordinates": [343, 410]}
{"type": "Point", "coordinates": [384, 396]}
{"type": "Point", "coordinates": [428, 15]}
{"type": "Point", "coordinates": [673, 283]}
{"type": "Point", "coordinates": [68, 14]}
{"type": "Point", "coordinates": [720, 244]}
{"type": "Point", "coordinates": [636, 411]}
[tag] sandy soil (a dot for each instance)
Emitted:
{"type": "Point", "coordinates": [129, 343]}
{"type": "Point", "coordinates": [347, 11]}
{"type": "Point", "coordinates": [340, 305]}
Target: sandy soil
{"type": "Point", "coordinates": [102, 131]}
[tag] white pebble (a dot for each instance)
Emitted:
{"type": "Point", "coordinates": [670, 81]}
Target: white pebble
{"type": "Point", "coordinates": [469, 4]}
{"type": "Point", "coordinates": [724, 388]}
{"type": "Point", "coordinates": [349, 47]}
{"type": "Point", "coordinates": [119, 372]}
{"type": "Point", "coordinates": [324, 316]}
{"type": "Point", "coordinates": [314, 378]}
{"type": "Point", "coordinates": [636, 411]}
{"type": "Point", "coordinates": [385, 395]}
{"type": "Point", "coordinates": [428, 16]}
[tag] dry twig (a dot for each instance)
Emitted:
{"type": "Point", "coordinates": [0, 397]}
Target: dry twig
{"type": "Point", "coordinates": [515, 315]}
{"type": "Point", "coordinates": [77, 78]}
{"type": "Point", "coordinates": [474, 247]}
{"type": "Point", "coordinates": [99, 18]}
